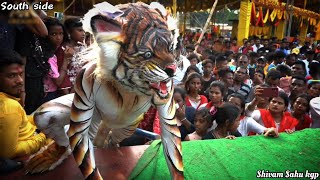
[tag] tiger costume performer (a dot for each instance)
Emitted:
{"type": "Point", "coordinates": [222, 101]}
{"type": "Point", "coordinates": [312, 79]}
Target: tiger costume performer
{"type": "Point", "coordinates": [134, 69]}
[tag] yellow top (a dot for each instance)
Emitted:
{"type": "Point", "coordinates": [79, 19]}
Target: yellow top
{"type": "Point", "coordinates": [17, 130]}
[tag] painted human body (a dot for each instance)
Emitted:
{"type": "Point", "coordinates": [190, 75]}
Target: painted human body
{"type": "Point", "coordinates": [132, 72]}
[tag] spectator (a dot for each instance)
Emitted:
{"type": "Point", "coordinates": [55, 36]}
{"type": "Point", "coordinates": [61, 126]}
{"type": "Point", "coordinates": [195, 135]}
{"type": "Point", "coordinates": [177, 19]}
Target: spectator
{"type": "Point", "coordinates": [193, 86]}
{"type": "Point", "coordinates": [184, 114]}
{"type": "Point", "coordinates": [239, 86]}
{"type": "Point", "coordinates": [247, 124]}
{"type": "Point", "coordinates": [299, 68]}
{"type": "Point", "coordinates": [314, 88]}
{"type": "Point", "coordinates": [18, 136]}
{"type": "Point", "coordinates": [182, 65]}
{"type": "Point", "coordinates": [276, 116]}
{"type": "Point", "coordinates": [202, 121]}
{"type": "Point", "coordinates": [228, 119]}
{"type": "Point", "coordinates": [216, 93]}
{"type": "Point", "coordinates": [298, 87]}
{"type": "Point", "coordinates": [208, 76]}
{"type": "Point", "coordinates": [300, 111]}
{"type": "Point", "coordinates": [76, 37]}
{"type": "Point", "coordinates": [194, 59]}
{"type": "Point", "coordinates": [278, 58]}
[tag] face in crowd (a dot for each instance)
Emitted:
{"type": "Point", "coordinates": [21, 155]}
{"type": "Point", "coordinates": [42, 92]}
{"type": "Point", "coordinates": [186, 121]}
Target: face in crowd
{"type": "Point", "coordinates": [55, 35]}
{"type": "Point", "coordinates": [277, 105]}
{"type": "Point", "coordinates": [300, 105]}
{"type": "Point", "coordinates": [243, 61]}
{"type": "Point", "coordinates": [228, 79]}
{"type": "Point", "coordinates": [241, 74]}
{"type": "Point", "coordinates": [297, 87]}
{"type": "Point", "coordinates": [207, 69]}
{"type": "Point", "coordinates": [11, 78]}
{"type": "Point", "coordinates": [297, 69]}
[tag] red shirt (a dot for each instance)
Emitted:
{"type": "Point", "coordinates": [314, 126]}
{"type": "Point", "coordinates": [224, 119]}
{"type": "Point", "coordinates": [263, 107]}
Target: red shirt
{"type": "Point", "coordinates": [203, 100]}
{"type": "Point", "coordinates": [287, 122]}
{"type": "Point", "coordinates": [304, 124]}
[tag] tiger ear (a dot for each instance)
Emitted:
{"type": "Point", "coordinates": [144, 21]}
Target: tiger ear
{"type": "Point", "coordinates": [160, 8]}
{"type": "Point", "coordinates": [102, 18]}
{"type": "Point", "coordinates": [101, 24]}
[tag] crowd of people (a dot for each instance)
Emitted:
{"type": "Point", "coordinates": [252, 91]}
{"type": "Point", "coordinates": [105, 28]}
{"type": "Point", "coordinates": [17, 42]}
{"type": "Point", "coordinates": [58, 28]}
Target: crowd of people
{"type": "Point", "coordinates": [222, 89]}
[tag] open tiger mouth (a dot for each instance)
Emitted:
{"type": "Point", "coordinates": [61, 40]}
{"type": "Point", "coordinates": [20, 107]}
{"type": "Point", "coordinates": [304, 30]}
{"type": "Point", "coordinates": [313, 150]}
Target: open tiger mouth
{"type": "Point", "coordinates": [161, 88]}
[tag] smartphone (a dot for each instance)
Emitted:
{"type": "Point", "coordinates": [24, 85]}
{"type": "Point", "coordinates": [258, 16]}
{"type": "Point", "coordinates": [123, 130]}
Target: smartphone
{"type": "Point", "coordinates": [270, 92]}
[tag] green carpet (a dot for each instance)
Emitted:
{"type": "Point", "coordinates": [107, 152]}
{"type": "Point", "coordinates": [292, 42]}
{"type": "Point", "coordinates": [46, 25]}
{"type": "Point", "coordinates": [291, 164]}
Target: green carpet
{"type": "Point", "coordinates": [237, 159]}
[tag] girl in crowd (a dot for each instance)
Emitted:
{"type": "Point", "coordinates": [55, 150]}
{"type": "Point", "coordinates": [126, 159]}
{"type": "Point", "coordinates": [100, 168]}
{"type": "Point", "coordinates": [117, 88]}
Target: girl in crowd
{"type": "Point", "coordinates": [216, 94]}
{"type": "Point", "coordinates": [56, 75]}
{"type": "Point", "coordinates": [247, 124]}
{"type": "Point", "coordinates": [202, 121]}
{"type": "Point", "coordinates": [228, 119]}
{"type": "Point", "coordinates": [184, 114]}
{"type": "Point", "coordinates": [190, 69]}
{"type": "Point", "coordinates": [76, 37]}
{"type": "Point", "coordinates": [276, 115]}
{"type": "Point", "coordinates": [193, 86]}
{"type": "Point", "coordinates": [300, 110]}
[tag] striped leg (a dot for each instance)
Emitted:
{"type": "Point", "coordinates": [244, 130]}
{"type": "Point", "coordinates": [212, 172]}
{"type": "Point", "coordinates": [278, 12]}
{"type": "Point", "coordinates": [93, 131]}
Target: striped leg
{"type": "Point", "coordinates": [81, 146]}
{"type": "Point", "coordinates": [171, 138]}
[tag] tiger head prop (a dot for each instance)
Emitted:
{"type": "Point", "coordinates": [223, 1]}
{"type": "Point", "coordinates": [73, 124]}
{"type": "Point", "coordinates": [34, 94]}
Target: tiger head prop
{"type": "Point", "coordinates": [137, 43]}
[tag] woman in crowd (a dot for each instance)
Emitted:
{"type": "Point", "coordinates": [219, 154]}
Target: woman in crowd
{"type": "Point", "coordinates": [202, 122]}
{"type": "Point", "coordinates": [190, 69]}
{"type": "Point", "coordinates": [276, 115]}
{"type": "Point", "coordinates": [228, 119]}
{"type": "Point", "coordinates": [193, 86]}
{"type": "Point", "coordinates": [216, 94]}
{"type": "Point", "coordinates": [300, 110]}
{"type": "Point", "coordinates": [184, 114]}
{"type": "Point", "coordinates": [247, 124]}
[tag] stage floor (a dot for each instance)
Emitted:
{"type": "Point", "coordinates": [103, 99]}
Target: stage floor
{"type": "Point", "coordinates": [113, 163]}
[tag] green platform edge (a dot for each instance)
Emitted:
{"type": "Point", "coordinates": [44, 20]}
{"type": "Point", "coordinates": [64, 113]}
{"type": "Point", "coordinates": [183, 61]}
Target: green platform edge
{"type": "Point", "coordinates": [237, 159]}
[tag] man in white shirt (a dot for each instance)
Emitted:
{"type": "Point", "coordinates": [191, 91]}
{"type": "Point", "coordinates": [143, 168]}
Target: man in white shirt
{"type": "Point", "coordinates": [257, 45]}
{"type": "Point", "coordinates": [182, 65]}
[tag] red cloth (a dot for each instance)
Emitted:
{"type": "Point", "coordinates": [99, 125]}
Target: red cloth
{"type": "Point", "coordinates": [156, 124]}
{"type": "Point", "coordinates": [148, 119]}
{"type": "Point", "coordinates": [203, 100]}
{"type": "Point", "coordinates": [209, 105]}
{"type": "Point", "coordinates": [245, 50]}
{"type": "Point", "coordinates": [287, 122]}
{"type": "Point", "coordinates": [304, 124]}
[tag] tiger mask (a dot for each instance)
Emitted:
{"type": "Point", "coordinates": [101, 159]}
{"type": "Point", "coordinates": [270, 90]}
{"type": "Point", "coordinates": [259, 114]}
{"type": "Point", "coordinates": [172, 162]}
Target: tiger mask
{"type": "Point", "coordinates": [144, 60]}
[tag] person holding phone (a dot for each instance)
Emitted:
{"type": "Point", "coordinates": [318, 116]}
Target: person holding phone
{"type": "Point", "coordinates": [276, 115]}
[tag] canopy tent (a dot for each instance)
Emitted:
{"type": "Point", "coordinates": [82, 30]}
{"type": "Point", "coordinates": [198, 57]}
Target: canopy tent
{"type": "Point", "coordinates": [80, 7]}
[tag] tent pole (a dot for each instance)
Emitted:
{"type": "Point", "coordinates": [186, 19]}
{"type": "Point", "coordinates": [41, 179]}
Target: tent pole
{"type": "Point", "coordinates": [206, 25]}
{"type": "Point", "coordinates": [290, 19]}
